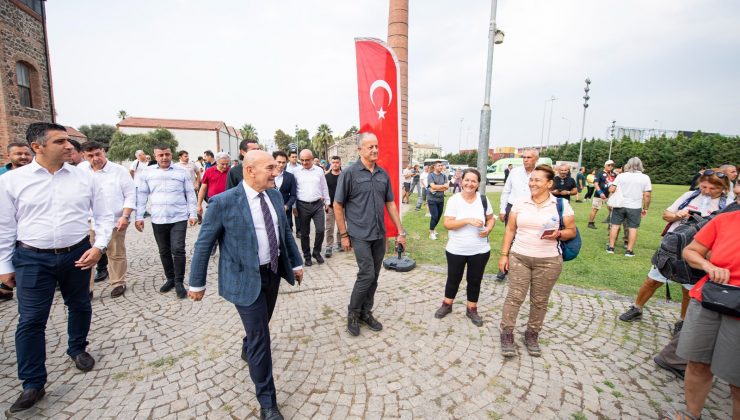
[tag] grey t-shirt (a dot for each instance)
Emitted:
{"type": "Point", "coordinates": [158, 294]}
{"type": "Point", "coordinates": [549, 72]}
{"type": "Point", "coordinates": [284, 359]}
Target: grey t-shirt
{"type": "Point", "coordinates": [441, 179]}
{"type": "Point", "coordinates": [363, 195]}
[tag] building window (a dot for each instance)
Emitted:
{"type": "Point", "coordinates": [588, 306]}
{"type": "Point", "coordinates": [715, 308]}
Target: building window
{"type": "Point", "coordinates": [23, 73]}
{"type": "Point", "coordinates": [34, 5]}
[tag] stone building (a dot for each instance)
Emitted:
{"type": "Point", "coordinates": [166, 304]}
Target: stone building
{"type": "Point", "coordinates": [422, 151]}
{"type": "Point", "coordinates": [75, 134]}
{"type": "Point", "coordinates": [345, 148]}
{"type": "Point", "coordinates": [25, 74]}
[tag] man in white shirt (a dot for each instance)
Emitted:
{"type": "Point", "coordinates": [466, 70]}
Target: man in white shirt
{"type": "Point", "coordinates": [120, 193]}
{"type": "Point", "coordinates": [731, 172]}
{"type": "Point", "coordinates": [190, 167]}
{"type": "Point", "coordinates": [170, 191]}
{"type": "Point", "coordinates": [139, 164]}
{"type": "Point", "coordinates": [292, 165]}
{"type": "Point", "coordinates": [313, 203]}
{"type": "Point", "coordinates": [423, 181]}
{"type": "Point", "coordinates": [635, 188]}
{"type": "Point", "coordinates": [44, 212]}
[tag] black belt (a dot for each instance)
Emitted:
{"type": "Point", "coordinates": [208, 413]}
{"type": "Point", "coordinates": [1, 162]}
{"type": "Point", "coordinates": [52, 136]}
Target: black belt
{"type": "Point", "coordinates": [85, 240]}
{"type": "Point", "coordinates": [311, 202]}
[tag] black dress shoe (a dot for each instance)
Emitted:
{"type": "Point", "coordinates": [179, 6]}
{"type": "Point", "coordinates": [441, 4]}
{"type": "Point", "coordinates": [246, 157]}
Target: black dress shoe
{"type": "Point", "coordinates": [319, 259]}
{"type": "Point", "coordinates": [271, 414]}
{"type": "Point", "coordinates": [84, 361]}
{"type": "Point", "coordinates": [167, 286]}
{"type": "Point", "coordinates": [28, 399]}
{"type": "Point", "coordinates": [101, 275]}
{"type": "Point", "coordinates": [180, 290]}
{"type": "Point", "coordinates": [369, 320]}
{"type": "Point", "coordinates": [307, 261]}
{"type": "Point", "coordinates": [244, 355]}
{"type": "Point", "coordinates": [118, 291]}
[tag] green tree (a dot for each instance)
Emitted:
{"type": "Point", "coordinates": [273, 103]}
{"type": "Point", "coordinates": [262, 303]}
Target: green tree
{"type": "Point", "coordinates": [302, 139]}
{"type": "Point", "coordinates": [282, 140]}
{"type": "Point", "coordinates": [352, 131]}
{"type": "Point", "coordinates": [249, 132]}
{"type": "Point", "coordinates": [322, 140]}
{"type": "Point", "coordinates": [101, 133]}
{"type": "Point", "coordinates": [122, 115]}
{"type": "Point", "coordinates": [123, 146]}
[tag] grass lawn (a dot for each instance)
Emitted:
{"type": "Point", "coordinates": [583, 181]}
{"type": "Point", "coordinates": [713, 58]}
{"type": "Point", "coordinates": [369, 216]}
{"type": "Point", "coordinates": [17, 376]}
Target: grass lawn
{"type": "Point", "coordinates": [593, 268]}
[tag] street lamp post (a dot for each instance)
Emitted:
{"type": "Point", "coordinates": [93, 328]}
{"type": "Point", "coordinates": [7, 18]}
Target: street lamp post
{"type": "Point", "coordinates": [459, 140]}
{"type": "Point", "coordinates": [583, 124]}
{"type": "Point", "coordinates": [567, 139]}
{"type": "Point", "coordinates": [495, 36]}
{"type": "Point", "coordinates": [549, 125]}
{"type": "Point", "coordinates": [611, 139]}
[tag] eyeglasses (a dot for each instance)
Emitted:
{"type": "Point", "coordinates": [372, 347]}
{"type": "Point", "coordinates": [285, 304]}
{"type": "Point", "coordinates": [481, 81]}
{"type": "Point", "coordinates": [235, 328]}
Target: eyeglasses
{"type": "Point", "coordinates": [710, 172]}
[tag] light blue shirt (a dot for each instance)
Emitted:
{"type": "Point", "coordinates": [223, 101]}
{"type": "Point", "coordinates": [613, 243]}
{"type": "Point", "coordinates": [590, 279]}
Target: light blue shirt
{"type": "Point", "coordinates": [169, 192]}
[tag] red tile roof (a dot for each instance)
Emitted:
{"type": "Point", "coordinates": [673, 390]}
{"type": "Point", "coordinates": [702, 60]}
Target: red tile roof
{"type": "Point", "coordinates": [73, 132]}
{"type": "Point", "coordinates": [231, 130]}
{"type": "Point", "coordinates": [171, 123]}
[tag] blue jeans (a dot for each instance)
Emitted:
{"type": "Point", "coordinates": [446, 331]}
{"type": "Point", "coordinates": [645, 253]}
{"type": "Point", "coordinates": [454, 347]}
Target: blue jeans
{"type": "Point", "coordinates": [435, 209]}
{"type": "Point", "coordinates": [36, 276]}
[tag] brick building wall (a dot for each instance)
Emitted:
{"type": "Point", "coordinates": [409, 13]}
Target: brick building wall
{"type": "Point", "coordinates": [22, 39]}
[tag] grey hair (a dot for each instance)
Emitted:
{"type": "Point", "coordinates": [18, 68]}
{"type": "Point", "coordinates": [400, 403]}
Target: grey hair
{"type": "Point", "coordinates": [533, 150]}
{"type": "Point", "coordinates": [222, 155]}
{"type": "Point", "coordinates": [139, 153]}
{"type": "Point", "coordinates": [634, 165]}
{"type": "Point", "coordinates": [363, 135]}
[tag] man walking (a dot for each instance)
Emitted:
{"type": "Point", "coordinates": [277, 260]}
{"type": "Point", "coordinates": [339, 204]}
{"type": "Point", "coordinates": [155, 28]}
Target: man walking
{"type": "Point", "coordinates": [19, 155]}
{"type": "Point", "coordinates": [601, 183]}
{"type": "Point", "coordinates": [236, 172]}
{"type": "Point", "coordinates": [636, 189]}
{"type": "Point", "coordinates": [580, 183]}
{"type": "Point", "coordinates": [139, 164]}
{"type": "Point", "coordinates": [169, 190]}
{"type": "Point", "coordinates": [250, 217]}
{"type": "Point", "coordinates": [564, 185]}
{"type": "Point", "coordinates": [363, 193]}
{"type": "Point", "coordinates": [120, 194]}
{"type": "Point", "coordinates": [190, 166]}
{"type": "Point", "coordinates": [313, 202]}
{"type": "Point", "coordinates": [285, 183]}
{"type": "Point", "coordinates": [331, 182]}
{"type": "Point", "coordinates": [214, 180]}
{"type": "Point", "coordinates": [44, 214]}
{"type": "Point", "coordinates": [210, 160]}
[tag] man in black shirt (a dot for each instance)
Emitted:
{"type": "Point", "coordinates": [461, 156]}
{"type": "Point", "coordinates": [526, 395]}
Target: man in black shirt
{"type": "Point", "coordinates": [507, 171]}
{"type": "Point", "coordinates": [236, 173]}
{"type": "Point", "coordinates": [331, 181]}
{"type": "Point", "coordinates": [601, 183]}
{"type": "Point", "coordinates": [564, 185]}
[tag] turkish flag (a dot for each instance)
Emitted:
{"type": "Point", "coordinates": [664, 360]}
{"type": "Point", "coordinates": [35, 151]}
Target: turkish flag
{"type": "Point", "coordinates": [378, 85]}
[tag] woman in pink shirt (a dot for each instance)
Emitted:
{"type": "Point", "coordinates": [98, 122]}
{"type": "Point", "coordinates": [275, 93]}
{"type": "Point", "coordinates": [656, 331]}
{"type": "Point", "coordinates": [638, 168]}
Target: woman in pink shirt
{"type": "Point", "coordinates": [531, 255]}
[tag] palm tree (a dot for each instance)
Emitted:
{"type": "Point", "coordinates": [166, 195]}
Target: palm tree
{"type": "Point", "coordinates": [249, 132]}
{"type": "Point", "coordinates": [122, 115]}
{"type": "Point", "coordinates": [322, 140]}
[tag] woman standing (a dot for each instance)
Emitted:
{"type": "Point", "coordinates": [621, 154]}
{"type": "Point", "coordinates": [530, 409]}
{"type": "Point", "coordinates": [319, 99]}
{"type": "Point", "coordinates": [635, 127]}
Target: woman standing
{"type": "Point", "coordinates": [533, 260]}
{"type": "Point", "coordinates": [457, 181]}
{"type": "Point", "coordinates": [469, 222]}
{"type": "Point", "coordinates": [590, 185]}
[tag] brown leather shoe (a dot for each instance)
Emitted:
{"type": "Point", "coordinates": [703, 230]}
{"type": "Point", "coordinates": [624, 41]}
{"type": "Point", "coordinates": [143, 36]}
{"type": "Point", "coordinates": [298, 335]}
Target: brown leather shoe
{"type": "Point", "coordinates": [28, 399]}
{"type": "Point", "coordinates": [531, 343]}
{"type": "Point", "coordinates": [508, 349]}
{"type": "Point", "coordinates": [118, 291]}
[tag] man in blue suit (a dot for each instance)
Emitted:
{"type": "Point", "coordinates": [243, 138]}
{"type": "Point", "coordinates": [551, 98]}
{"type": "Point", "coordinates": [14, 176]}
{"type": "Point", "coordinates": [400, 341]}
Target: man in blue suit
{"type": "Point", "coordinates": [246, 220]}
{"type": "Point", "coordinates": [285, 183]}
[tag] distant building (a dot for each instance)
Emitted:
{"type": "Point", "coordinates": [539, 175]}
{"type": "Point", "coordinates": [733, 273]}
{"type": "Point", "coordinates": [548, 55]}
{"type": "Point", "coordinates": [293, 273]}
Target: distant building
{"type": "Point", "coordinates": [195, 136]}
{"type": "Point", "coordinates": [25, 76]}
{"type": "Point", "coordinates": [495, 153]}
{"type": "Point", "coordinates": [423, 151]}
{"type": "Point", "coordinates": [75, 134]}
{"type": "Point", "coordinates": [345, 148]}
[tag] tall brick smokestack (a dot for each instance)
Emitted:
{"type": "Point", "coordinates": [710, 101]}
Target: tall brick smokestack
{"type": "Point", "coordinates": [398, 39]}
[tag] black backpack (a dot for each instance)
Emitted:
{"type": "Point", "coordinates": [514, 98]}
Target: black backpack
{"type": "Point", "coordinates": [668, 258]}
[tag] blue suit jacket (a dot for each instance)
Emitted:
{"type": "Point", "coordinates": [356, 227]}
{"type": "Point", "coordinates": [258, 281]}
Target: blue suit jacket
{"type": "Point", "coordinates": [229, 221]}
{"type": "Point", "coordinates": [289, 189]}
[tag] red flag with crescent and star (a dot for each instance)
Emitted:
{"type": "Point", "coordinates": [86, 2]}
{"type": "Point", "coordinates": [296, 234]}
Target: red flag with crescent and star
{"type": "Point", "coordinates": [378, 84]}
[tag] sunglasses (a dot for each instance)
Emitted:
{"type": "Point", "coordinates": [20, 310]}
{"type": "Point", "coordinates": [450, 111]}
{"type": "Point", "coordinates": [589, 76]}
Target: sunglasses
{"type": "Point", "coordinates": [710, 172]}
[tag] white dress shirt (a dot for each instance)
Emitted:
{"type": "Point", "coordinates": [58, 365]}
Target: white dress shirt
{"type": "Point", "coordinates": [117, 184]}
{"type": "Point", "coordinates": [291, 167]}
{"type": "Point", "coordinates": [311, 184]}
{"type": "Point", "coordinates": [170, 193]}
{"type": "Point", "coordinates": [516, 187]}
{"type": "Point", "coordinates": [279, 180]}
{"type": "Point", "coordinates": [50, 211]}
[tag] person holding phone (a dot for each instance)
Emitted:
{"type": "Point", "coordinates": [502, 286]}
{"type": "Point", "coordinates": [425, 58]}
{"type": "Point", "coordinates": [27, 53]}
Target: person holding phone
{"type": "Point", "coordinates": [469, 221]}
{"type": "Point", "coordinates": [533, 260]}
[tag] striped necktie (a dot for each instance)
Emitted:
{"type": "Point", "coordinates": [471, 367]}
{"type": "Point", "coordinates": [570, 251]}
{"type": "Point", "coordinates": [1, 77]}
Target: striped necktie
{"type": "Point", "coordinates": [270, 228]}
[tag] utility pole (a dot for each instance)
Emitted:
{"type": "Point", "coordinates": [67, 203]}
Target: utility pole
{"type": "Point", "coordinates": [583, 125]}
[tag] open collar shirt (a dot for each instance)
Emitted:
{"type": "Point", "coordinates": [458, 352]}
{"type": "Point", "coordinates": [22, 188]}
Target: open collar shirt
{"type": "Point", "coordinates": [311, 185]}
{"type": "Point", "coordinates": [170, 193]}
{"type": "Point", "coordinates": [50, 211]}
{"type": "Point", "coordinates": [118, 187]}
{"type": "Point", "coordinates": [516, 187]}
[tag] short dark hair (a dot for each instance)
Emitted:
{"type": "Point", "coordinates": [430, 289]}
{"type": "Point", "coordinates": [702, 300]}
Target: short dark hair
{"type": "Point", "coordinates": [91, 145]}
{"type": "Point", "coordinates": [208, 153]}
{"type": "Point", "coordinates": [36, 132]}
{"type": "Point", "coordinates": [17, 144]}
{"type": "Point", "coordinates": [277, 153]}
{"type": "Point", "coordinates": [76, 144]}
{"type": "Point", "coordinates": [546, 169]}
{"type": "Point", "coordinates": [200, 158]}
{"type": "Point", "coordinates": [293, 152]}
{"type": "Point", "coordinates": [182, 152]}
{"type": "Point", "coordinates": [163, 146]}
{"type": "Point", "coordinates": [335, 158]}
{"type": "Point", "coordinates": [471, 171]}
{"type": "Point", "coordinates": [243, 144]}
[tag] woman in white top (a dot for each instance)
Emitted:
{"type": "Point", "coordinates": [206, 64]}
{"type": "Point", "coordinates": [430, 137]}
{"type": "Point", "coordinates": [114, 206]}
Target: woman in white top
{"type": "Point", "coordinates": [531, 255]}
{"type": "Point", "coordinates": [468, 225]}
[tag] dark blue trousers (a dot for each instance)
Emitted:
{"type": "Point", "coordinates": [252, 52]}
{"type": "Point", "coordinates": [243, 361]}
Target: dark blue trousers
{"type": "Point", "coordinates": [36, 276]}
{"type": "Point", "coordinates": [256, 318]}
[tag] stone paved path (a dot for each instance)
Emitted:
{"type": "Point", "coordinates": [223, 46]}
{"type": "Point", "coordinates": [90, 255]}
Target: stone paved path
{"type": "Point", "coordinates": [161, 358]}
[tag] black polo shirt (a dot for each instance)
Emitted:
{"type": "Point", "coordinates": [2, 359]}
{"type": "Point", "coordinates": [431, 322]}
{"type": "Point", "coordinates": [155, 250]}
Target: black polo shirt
{"type": "Point", "coordinates": [363, 195]}
{"type": "Point", "coordinates": [564, 184]}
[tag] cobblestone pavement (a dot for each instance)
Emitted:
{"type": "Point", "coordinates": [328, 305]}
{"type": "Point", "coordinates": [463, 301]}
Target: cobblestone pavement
{"type": "Point", "coordinates": [160, 357]}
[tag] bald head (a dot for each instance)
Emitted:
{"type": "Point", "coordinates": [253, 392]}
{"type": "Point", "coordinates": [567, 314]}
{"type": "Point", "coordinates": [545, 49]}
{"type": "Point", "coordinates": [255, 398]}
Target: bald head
{"type": "Point", "coordinates": [260, 170]}
{"type": "Point", "coordinates": [306, 158]}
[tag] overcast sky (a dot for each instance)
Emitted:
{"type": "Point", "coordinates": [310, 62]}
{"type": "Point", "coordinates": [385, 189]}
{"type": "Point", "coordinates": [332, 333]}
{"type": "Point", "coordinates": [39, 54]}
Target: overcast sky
{"type": "Point", "coordinates": [669, 64]}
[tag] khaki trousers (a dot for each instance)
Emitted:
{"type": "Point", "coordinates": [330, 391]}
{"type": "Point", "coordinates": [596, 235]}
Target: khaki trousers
{"type": "Point", "coordinates": [536, 276]}
{"type": "Point", "coordinates": [117, 261]}
{"type": "Point", "coordinates": [329, 231]}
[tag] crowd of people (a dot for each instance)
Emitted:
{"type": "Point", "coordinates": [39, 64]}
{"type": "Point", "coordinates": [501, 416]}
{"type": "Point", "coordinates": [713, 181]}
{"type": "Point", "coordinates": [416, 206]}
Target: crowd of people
{"type": "Point", "coordinates": [66, 209]}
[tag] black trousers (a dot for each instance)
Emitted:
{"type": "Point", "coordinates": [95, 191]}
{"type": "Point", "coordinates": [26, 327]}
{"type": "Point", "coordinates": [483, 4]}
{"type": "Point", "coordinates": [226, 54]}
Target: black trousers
{"type": "Point", "coordinates": [102, 263]}
{"type": "Point", "coordinates": [369, 256]}
{"type": "Point", "coordinates": [256, 319]}
{"type": "Point", "coordinates": [306, 213]}
{"type": "Point", "coordinates": [170, 239]}
{"type": "Point", "coordinates": [455, 267]}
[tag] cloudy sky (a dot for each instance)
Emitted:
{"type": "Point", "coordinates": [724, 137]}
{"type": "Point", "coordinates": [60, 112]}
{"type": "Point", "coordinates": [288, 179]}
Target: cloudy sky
{"type": "Point", "coordinates": [668, 64]}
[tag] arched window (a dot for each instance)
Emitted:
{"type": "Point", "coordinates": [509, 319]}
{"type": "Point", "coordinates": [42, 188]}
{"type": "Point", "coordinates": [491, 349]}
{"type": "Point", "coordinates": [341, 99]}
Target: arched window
{"type": "Point", "coordinates": [23, 75]}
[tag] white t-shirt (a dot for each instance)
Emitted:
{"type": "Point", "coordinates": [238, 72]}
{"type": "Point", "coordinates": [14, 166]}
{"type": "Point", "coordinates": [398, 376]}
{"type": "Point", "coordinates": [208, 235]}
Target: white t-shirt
{"type": "Point", "coordinates": [423, 179]}
{"type": "Point", "coordinates": [703, 204]}
{"type": "Point", "coordinates": [190, 168]}
{"type": "Point", "coordinates": [466, 240]}
{"type": "Point", "coordinates": [632, 184]}
{"type": "Point", "coordinates": [137, 166]}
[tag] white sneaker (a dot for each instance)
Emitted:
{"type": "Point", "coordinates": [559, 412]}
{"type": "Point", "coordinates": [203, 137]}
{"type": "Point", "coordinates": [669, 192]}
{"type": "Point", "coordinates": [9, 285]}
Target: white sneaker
{"type": "Point", "coordinates": [433, 236]}
{"type": "Point", "coordinates": [428, 215]}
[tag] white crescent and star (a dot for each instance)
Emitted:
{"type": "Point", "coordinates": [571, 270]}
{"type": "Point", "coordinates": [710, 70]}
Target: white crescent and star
{"type": "Point", "coordinates": [385, 86]}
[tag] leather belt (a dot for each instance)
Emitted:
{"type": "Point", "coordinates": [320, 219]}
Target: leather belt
{"type": "Point", "coordinates": [311, 202]}
{"type": "Point", "coordinates": [85, 240]}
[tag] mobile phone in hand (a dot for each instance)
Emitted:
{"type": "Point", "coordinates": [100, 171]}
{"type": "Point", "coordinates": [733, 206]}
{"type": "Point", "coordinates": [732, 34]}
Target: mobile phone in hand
{"type": "Point", "coordinates": [548, 232]}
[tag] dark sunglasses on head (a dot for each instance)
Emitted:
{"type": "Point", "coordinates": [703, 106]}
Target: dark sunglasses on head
{"type": "Point", "coordinates": [710, 172]}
